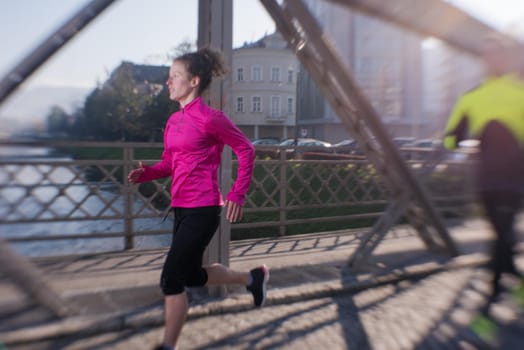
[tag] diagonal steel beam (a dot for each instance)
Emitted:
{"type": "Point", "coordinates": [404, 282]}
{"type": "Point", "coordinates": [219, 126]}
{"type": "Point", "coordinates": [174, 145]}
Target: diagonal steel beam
{"type": "Point", "coordinates": [334, 79]}
{"type": "Point", "coordinates": [434, 18]}
{"type": "Point", "coordinates": [17, 268]}
{"type": "Point", "coordinates": [48, 47]}
{"type": "Point", "coordinates": [31, 280]}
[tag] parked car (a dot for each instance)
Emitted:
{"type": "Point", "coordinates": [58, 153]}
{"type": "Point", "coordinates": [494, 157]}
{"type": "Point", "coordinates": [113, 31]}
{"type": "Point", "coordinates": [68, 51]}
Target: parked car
{"type": "Point", "coordinates": [424, 143]}
{"type": "Point", "coordinates": [403, 141]}
{"type": "Point", "coordinates": [466, 151]}
{"type": "Point", "coordinates": [346, 146]}
{"type": "Point", "coordinates": [420, 149]}
{"type": "Point", "coordinates": [295, 147]}
{"type": "Point", "coordinates": [266, 147]}
{"type": "Point", "coordinates": [305, 142]}
{"type": "Point", "coordinates": [266, 141]}
{"type": "Point", "coordinates": [351, 147]}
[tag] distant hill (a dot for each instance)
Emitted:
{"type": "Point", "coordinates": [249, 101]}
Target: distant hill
{"type": "Point", "coordinates": [29, 107]}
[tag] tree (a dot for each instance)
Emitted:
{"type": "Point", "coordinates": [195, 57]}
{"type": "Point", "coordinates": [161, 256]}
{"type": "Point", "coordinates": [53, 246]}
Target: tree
{"type": "Point", "coordinates": [158, 112]}
{"type": "Point", "coordinates": [131, 105]}
{"type": "Point", "coordinates": [98, 121]}
{"type": "Point", "coordinates": [184, 47]}
{"type": "Point", "coordinates": [58, 121]}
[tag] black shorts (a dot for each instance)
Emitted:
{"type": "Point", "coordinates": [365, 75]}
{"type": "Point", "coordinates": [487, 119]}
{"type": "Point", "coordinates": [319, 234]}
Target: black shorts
{"type": "Point", "coordinates": [192, 232]}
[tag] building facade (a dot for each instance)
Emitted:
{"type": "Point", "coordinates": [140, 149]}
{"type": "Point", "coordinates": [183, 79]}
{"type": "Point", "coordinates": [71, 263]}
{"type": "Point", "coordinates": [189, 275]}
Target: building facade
{"type": "Point", "coordinates": [447, 74]}
{"type": "Point", "coordinates": [264, 87]}
{"type": "Point", "coordinates": [386, 63]}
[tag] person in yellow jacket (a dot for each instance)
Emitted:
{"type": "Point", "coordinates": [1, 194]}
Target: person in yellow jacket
{"type": "Point", "coordinates": [493, 113]}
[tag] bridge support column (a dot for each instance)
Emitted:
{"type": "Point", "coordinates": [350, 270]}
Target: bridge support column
{"type": "Point", "coordinates": [215, 30]}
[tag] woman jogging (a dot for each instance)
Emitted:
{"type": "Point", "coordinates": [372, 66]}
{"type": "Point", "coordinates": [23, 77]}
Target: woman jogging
{"type": "Point", "coordinates": [194, 138]}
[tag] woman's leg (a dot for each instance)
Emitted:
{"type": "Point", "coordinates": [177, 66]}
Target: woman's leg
{"type": "Point", "coordinates": [501, 208]}
{"type": "Point", "coordinates": [176, 308]}
{"type": "Point", "coordinates": [192, 232]}
{"type": "Point", "coordinates": [220, 274]}
{"type": "Point", "coordinates": [254, 280]}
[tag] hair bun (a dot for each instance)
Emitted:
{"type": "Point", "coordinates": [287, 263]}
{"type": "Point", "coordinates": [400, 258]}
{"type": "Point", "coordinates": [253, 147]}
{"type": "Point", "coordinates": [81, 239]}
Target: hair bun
{"type": "Point", "coordinates": [215, 61]}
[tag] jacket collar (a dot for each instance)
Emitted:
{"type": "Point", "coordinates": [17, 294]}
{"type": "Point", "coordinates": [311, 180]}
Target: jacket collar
{"type": "Point", "coordinates": [195, 102]}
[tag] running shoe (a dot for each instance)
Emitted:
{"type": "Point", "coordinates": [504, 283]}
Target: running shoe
{"type": "Point", "coordinates": [259, 276]}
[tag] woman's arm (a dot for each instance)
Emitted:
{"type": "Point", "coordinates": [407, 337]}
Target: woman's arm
{"type": "Point", "coordinates": [457, 127]}
{"type": "Point", "coordinates": [146, 173]}
{"type": "Point", "coordinates": [221, 127]}
{"type": "Point", "coordinates": [164, 168]}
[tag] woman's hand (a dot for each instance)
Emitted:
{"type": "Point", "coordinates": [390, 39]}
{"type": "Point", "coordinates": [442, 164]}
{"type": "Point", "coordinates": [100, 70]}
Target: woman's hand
{"type": "Point", "coordinates": [233, 211]}
{"type": "Point", "coordinates": [135, 174]}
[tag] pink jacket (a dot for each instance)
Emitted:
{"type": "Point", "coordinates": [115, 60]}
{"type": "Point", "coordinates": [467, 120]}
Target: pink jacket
{"type": "Point", "coordinates": [193, 142]}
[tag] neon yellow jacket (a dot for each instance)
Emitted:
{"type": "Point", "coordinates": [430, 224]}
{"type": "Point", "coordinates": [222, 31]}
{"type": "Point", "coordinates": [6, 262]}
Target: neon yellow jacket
{"type": "Point", "coordinates": [494, 114]}
{"type": "Point", "coordinates": [497, 99]}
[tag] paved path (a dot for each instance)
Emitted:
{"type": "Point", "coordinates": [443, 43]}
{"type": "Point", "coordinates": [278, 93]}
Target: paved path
{"type": "Point", "coordinates": [427, 313]}
{"type": "Point", "coordinates": [407, 298]}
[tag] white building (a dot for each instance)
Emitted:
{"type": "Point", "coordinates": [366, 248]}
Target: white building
{"type": "Point", "coordinates": [386, 63]}
{"type": "Point", "coordinates": [264, 81]}
{"type": "Point", "coordinates": [447, 74]}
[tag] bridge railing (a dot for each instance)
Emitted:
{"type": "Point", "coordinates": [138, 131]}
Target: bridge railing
{"type": "Point", "coordinates": [86, 205]}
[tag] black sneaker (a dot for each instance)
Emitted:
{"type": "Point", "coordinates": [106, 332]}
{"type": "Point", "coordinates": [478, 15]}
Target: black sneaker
{"type": "Point", "coordinates": [260, 277]}
{"type": "Point", "coordinates": [160, 347]}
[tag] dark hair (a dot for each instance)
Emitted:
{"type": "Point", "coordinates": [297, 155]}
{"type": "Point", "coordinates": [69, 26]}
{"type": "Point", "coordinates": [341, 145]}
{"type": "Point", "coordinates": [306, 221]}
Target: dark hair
{"type": "Point", "coordinates": [205, 64]}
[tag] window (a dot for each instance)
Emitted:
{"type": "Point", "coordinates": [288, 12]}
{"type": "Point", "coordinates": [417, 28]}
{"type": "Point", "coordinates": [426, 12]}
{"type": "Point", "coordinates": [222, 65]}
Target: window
{"type": "Point", "coordinates": [290, 105]}
{"type": "Point", "coordinates": [240, 104]}
{"type": "Point", "coordinates": [290, 75]}
{"type": "Point", "coordinates": [275, 74]}
{"type": "Point", "coordinates": [275, 106]}
{"type": "Point", "coordinates": [256, 73]}
{"type": "Point", "coordinates": [240, 74]}
{"type": "Point", "coordinates": [256, 105]}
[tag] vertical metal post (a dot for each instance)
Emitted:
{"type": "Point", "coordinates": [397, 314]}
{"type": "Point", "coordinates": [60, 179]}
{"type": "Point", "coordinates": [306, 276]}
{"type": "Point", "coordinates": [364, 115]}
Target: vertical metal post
{"type": "Point", "coordinates": [215, 30]}
{"type": "Point", "coordinates": [128, 155]}
{"type": "Point", "coordinates": [283, 192]}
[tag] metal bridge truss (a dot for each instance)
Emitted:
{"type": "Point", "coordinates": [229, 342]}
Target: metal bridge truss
{"type": "Point", "coordinates": [409, 197]}
{"type": "Point", "coordinates": [304, 35]}
{"type": "Point", "coordinates": [320, 59]}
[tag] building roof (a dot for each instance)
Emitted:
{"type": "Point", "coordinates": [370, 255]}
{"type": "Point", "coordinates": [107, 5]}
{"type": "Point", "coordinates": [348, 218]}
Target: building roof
{"type": "Point", "coordinates": [271, 41]}
{"type": "Point", "coordinates": [142, 73]}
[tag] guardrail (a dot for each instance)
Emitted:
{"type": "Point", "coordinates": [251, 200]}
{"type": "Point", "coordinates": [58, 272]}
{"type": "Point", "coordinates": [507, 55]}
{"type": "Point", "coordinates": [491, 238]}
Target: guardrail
{"type": "Point", "coordinates": [49, 197]}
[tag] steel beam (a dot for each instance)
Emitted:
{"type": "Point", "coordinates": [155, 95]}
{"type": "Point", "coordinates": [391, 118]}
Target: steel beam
{"type": "Point", "coordinates": [434, 18]}
{"type": "Point", "coordinates": [334, 79]}
{"type": "Point", "coordinates": [17, 268]}
{"type": "Point", "coordinates": [50, 46]}
{"type": "Point", "coordinates": [31, 281]}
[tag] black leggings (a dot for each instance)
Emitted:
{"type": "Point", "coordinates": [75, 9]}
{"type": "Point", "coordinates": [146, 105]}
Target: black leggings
{"type": "Point", "coordinates": [192, 232]}
{"type": "Point", "coordinates": [501, 208]}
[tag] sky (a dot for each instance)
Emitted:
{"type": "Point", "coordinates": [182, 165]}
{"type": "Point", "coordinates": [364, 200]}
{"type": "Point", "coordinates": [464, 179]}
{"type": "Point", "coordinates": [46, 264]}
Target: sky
{"type": "Point", "coordinates": [144, 31]}
{"type": "Point", "coordinates": [141, 31]}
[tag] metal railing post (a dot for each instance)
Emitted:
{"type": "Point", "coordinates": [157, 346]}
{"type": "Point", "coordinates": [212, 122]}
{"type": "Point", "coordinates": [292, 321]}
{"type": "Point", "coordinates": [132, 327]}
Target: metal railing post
{"type": "Point", "coordinates": [283, 192]}
{"type": "Point", "coordinates": [129, 239]}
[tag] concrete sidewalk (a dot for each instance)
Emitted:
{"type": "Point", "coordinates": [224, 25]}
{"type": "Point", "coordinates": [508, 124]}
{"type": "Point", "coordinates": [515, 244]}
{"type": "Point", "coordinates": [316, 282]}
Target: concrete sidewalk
{"type": "Point", "coordinates": [119, 291]}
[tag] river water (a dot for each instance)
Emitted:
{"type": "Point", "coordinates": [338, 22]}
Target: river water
{"type": "Point", "coordinates": [62, 205]}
